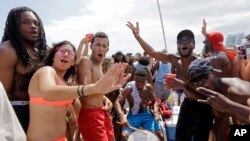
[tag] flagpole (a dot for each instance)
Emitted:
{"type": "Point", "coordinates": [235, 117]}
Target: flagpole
{"type": "Point", "coordinates": [162, 27]}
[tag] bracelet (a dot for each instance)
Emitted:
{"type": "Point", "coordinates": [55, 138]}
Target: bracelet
{"type": "Point", "coordinates": [82, 93]}
{"type": "Point", "coordinates": [78, 91]}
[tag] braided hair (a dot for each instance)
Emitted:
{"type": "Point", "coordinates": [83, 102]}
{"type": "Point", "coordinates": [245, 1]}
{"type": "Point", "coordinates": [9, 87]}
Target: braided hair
{"type": "Point", "coordinates": [12, 33]}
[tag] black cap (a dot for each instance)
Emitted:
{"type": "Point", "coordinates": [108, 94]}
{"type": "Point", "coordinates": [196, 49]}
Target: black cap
{"type": "Point", "coordinates": [200, 66]}
{"type": "Point", "coordinates": [185, 32]}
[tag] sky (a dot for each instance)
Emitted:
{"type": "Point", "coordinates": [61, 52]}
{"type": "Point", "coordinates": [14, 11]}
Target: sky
{"type": "Point", "coordinates": [72, 19]}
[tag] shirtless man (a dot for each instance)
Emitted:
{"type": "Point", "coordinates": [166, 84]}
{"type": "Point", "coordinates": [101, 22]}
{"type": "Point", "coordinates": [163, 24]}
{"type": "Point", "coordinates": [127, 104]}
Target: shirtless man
{"type": "Point", "coordinates": [201, 75]}
{"type": "Point", "coordinates": [95, 123]}
{"type": "Point", "coordinates": [138, 93]}
{"type": "Point", "coordinates": [195, 119]}
{"type": "Point", "coordinates": [22, 52]}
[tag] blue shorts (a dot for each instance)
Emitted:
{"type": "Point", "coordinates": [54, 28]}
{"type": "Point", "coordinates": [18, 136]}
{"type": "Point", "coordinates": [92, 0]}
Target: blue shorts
{"type": "Point", "coordinates": [143, 119]}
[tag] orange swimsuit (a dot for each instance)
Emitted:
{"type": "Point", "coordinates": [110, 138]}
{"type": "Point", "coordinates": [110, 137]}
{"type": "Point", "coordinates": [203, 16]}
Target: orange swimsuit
{"type": "Point", "coordinates": [41, 101]}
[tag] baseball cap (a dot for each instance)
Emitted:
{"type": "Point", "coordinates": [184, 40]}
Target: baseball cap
{"type": "Point", "coordinates": [216, 39]}
{"type": "Point", "coordinates": [200, 66]}
{"type": "Point", "coordinates": [187, 33]}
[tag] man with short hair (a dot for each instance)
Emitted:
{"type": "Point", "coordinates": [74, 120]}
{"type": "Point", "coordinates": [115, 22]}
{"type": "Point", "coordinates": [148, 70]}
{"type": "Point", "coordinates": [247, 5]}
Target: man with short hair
{"type": "Point", "coordinates": [138, 93]}
{"type": "Point", "coordinates": [22, 52]}
{"type": "Point", "coordinates": [95, 123]}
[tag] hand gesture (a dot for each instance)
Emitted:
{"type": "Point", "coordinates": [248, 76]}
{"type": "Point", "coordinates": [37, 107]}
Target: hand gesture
{"type": "Point", "coordinates": [113, 79]}
{"type": "Point", "coordinates": [204, 28]}
{"type": "Point", "coordinates": [215, 99]}
{"type": "Point", "coordinates": [123, 122]}
{"type": "Point", "coordinates": [135, 30]}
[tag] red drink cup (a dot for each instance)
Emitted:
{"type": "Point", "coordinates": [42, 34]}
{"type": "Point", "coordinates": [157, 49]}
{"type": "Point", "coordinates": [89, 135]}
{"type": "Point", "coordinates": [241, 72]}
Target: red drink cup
{"type": "Point", "coordinates": [89, 36]}
{"type": "Point", "coordinates": [170, 75]}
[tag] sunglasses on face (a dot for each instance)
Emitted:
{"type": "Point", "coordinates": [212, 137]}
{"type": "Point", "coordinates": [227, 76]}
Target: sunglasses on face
{"type": "Point", "coordinates": [64, 50]}
{"type": "Point", "coordinates": [201, 78]}
{"type": "Point", "coordinates": [186, 41]}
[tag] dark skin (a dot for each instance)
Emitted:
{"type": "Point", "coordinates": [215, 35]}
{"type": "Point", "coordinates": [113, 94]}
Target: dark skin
{"type": "Point", "coordinates": [180, 63]}
{"type": "Point", "coordinates": [146, 93]}
{"type": "Point", "coordinates": [232, 90]}
{"type": "Point", "coordinates": [222, 103]}
{"type": "Point", "coordinates": [14, 76]}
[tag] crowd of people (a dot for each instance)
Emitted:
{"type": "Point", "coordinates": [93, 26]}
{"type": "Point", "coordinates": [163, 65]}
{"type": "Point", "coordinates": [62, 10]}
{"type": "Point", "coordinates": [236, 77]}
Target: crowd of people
{"type": "Point", "coordinates": [61, 93]}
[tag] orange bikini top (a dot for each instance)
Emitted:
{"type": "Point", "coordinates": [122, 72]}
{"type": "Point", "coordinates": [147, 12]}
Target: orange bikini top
{"type": "Point", "coordinates": [41, 101]}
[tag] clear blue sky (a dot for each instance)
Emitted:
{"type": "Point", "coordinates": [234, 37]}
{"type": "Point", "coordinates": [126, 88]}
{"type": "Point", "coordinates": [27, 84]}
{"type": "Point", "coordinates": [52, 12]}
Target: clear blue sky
{"type": "Point", "coordinates": [72, 19]}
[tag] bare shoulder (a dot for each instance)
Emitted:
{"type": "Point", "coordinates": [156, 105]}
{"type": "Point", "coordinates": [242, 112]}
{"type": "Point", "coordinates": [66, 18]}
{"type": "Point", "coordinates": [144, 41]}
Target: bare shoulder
{"type": "Point", "coordinates": [173, 59]}
{"type": "Point", "coordinates": [44, 71]}
{"type": "Point", "coordinates": [8, 53]}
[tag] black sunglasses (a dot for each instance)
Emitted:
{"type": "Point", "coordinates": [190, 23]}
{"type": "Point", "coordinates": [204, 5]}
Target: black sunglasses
{"type": "Point", "coordinates": [186, 41]}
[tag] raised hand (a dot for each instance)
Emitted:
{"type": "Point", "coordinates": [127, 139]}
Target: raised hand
{"type": "Point", "coordinates": [135, 29]}
{"type": "Point", "coordinates": [113, 79]}
{"type": "Point", "coordinates": [204, 28]}
{"type": "Point", "coordinates": [215, 99]}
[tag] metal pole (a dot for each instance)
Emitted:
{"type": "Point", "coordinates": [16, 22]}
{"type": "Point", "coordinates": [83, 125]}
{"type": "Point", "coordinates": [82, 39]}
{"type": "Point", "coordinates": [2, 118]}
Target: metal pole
{"type": "Point", "coordinates": [165, 43]}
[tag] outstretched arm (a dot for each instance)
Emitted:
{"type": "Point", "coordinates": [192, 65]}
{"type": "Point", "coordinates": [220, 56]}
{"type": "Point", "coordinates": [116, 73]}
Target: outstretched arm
{"type": "Point", "coordinates": [173, 83]}
{"type": "Point", "coordinates": [112, 80]}
{"type": "Point", "coordinates": [155, 54]}
{"type": "Point", "coordinates": [222, 103]}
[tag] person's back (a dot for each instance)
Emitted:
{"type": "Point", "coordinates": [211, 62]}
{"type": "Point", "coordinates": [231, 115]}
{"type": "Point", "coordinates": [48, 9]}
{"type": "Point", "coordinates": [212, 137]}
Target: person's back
{"type": "Point", "coordinates": [22, 52]}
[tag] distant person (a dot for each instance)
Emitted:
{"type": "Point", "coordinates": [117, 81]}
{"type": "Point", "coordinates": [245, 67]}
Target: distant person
{"type": "Point", "coordinates": [22, 52]}
{"type": "Point", "coordinates": [120, 57]}
{"type": "Point", "coordinates": [161, 69]}
{"type": "Point", "coordinates": [50, 95]}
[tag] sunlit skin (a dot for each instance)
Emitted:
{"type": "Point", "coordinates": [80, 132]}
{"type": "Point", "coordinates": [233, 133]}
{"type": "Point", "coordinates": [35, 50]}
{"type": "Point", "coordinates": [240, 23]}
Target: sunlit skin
{"type": "Point", "coordinates": [49, 129]}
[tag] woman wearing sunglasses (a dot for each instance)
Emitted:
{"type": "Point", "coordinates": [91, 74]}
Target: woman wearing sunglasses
{"type": "Point", "coordinates": [50, 95]}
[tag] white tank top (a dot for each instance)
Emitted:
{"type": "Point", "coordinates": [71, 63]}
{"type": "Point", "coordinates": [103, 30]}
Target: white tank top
{"type": "Point", "coordinates": [136, 97]}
